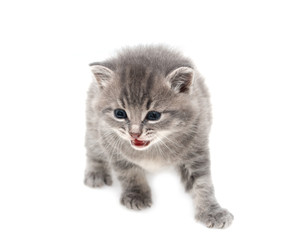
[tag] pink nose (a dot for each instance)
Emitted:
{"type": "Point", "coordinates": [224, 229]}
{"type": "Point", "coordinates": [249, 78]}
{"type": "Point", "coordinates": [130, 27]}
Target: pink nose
{"type": "Point", "coordinates": [135, 135]}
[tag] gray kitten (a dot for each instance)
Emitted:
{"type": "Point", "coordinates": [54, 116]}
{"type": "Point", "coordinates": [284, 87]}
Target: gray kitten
{"type": "Point", "coordinates": [147, 108]}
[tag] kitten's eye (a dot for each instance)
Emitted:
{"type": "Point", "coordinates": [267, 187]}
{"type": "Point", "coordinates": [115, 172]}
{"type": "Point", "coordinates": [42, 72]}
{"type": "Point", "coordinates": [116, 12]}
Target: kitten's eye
{"type": "Point", "coordinates": [153, 116]}
{"type": "Point", "coordinates": [120, 113]}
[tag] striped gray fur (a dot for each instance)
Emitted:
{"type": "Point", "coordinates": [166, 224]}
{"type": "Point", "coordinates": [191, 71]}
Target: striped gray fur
{"type": "Point", "coordinates": [139, 80]}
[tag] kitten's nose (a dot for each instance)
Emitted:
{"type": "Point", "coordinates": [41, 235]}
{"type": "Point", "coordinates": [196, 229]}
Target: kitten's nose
{"type": "Point", "coordinates": [134, 134]}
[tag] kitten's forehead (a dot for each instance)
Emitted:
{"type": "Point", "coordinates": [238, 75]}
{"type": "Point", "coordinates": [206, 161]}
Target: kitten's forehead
{"type": "Point", "coordinates": [137, 83]}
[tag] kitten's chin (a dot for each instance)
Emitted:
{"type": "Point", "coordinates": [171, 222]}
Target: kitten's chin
{"type": "Point", "coordinates": [139, 145]}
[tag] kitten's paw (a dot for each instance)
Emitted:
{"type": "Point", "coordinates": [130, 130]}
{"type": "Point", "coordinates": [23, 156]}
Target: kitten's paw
{"type": "Point", "coordinates": [97, 179]}
{"type": "Point", "coordinates": [136, 200]}
{"type": "Point", "coordinates": [215, 218]}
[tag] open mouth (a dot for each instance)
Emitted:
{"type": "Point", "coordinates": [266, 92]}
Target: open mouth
{"type": "Point", "coordinates": [140, 144]}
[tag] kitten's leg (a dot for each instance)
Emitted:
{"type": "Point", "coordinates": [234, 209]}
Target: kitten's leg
{"type": "Point", "coordinates": [136, 192]}
{"type": "Point", "coordinates": [195, 174]}
{"type": "Point", "coordinates": [97, 172]}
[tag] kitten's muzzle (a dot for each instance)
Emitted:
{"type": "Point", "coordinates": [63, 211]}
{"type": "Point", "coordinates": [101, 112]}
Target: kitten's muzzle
{"type": "Point", "coordinates": [140, 144]}
{"type": "Point", "coordinates": [135, 135]}
{"type": "Point", "coordinates": [136, 142]}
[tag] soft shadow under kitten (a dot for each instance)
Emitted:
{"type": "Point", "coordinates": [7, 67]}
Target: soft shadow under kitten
{"type": "Point", "coordinates": [148, 107]}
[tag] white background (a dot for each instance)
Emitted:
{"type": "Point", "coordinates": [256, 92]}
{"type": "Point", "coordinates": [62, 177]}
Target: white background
{"type": "Point", "coordinates": [244, 49]}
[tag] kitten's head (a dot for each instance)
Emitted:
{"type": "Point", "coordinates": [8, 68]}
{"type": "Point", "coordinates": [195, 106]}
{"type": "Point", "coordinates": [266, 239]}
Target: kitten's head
{"type": "Point", "coordinates": [144, 99]}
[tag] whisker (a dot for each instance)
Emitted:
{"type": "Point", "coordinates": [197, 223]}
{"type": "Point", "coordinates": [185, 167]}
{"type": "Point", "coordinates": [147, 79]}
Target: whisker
{"type": "Point", "coordinates": [164, 144]}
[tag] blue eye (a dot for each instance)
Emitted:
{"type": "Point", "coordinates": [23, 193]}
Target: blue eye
{"type": "Point", "coordinates": [153, 116]}
{"type": "Point", "coordinates": [120, 113]}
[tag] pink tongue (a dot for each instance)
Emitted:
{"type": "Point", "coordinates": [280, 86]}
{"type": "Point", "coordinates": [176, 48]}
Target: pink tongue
{"type": "Point", "coordinates": [140, 143]}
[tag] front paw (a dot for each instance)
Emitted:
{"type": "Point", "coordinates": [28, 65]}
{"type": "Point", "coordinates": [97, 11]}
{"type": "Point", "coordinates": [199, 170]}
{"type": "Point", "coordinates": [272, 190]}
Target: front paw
{"type": "Point", "coordinates": [97, 179]}
{"type": "Point", "coordinates": [136, 199]}
{"type": "Point", "coordinates": [215, 217]}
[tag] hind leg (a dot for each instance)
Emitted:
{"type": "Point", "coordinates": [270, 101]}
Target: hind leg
{"type": "Point", "coordinates": [97, 173]}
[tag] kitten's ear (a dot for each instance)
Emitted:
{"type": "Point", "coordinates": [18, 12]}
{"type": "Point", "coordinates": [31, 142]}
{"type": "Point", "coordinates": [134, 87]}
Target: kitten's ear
{"type": "Point", "coordinates": [181, 79]}
{"type": "Point", "coordinates": [103, 75]}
